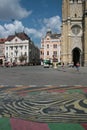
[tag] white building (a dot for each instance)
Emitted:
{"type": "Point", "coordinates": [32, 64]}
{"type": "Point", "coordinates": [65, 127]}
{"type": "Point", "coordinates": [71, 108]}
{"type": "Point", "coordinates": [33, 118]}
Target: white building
{"type": "Point", "coordinates": [51, 46]}
{"type": "Point", "coordinates": [19, 46]}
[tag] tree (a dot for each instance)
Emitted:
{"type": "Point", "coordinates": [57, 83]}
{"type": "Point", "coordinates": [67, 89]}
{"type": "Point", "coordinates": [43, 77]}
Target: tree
{"type": "Point", "coordinates": [22, 58]}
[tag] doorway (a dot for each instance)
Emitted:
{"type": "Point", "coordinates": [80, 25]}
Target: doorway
{"type": "Point", "coordinates": [1, 61]}
{"type": "Point", "coordinates": [76, 55]}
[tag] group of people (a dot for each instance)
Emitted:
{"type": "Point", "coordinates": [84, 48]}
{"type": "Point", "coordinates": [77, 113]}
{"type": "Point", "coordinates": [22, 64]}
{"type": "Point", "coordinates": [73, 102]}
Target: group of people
{"type": "Point", "coordinates": [77, 65]}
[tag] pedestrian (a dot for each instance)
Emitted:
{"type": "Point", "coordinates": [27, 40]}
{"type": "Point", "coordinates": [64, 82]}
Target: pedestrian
{"type": "Point", "coordinates": [63, 65]}
{"type": "Point", "coordinates": [77, 66]}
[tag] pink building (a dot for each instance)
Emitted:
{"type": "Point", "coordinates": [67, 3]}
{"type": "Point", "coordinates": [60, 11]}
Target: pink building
{"type": "Point", "coordinates": [50, 47]}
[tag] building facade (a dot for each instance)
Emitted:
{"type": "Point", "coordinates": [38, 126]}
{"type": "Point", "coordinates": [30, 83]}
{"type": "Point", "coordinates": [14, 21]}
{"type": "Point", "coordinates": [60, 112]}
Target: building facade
{"type": "Point", "coordinates": [50, 46]}
{"type": "Point", "coordinates": [20, 49]}
{"type": "Point", "coordinates": [2, 51]}
{"type": "Point", "coordinates": [74, 32]}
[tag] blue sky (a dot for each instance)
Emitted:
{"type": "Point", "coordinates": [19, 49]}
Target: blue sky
{"type": "Point", "coordinates": [32, 16]}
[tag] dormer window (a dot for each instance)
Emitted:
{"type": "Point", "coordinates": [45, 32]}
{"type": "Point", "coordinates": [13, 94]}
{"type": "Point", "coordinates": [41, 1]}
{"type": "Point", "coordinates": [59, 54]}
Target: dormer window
{"type": "Point", "coordinates": [47, 38]}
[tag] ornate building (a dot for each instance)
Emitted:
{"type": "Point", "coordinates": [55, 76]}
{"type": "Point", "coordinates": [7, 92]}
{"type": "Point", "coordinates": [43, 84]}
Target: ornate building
{"type": "Point", "coordinates": [74, 31]}
{"type": "Point", "coordinates": [19, 47]}
{"type": "Point", "coordinates": [50, 46]}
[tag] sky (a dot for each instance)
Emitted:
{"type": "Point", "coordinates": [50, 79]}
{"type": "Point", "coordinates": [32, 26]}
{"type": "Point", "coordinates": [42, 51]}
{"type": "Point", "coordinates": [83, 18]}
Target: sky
{"type": "Point", "coordinates": [34, 17]}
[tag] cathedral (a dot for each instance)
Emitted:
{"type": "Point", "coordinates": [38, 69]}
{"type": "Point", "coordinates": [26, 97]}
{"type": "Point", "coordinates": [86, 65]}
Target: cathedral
{"type": "Point", "coordinates": [74, 32]}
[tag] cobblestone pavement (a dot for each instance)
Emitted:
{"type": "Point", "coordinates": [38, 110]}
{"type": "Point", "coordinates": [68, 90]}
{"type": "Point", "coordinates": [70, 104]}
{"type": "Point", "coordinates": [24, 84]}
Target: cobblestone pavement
{"type": "Point", "coordinates": [43, 107]}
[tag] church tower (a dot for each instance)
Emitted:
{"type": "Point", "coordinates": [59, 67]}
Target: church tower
{"type": "Point", "coordinates": [72, 49]}
{"type": "Point", "coordinates": [85, 31]}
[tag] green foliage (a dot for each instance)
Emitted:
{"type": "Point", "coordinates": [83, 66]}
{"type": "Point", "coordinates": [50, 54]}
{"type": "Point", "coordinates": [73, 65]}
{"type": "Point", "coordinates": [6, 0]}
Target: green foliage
{"type": "Point", "coordinates": [22, 58]}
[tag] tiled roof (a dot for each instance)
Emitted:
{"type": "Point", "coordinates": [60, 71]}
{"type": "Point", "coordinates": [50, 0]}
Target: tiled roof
{"type": "Point", "coordinates": [55, 36]}
{"type": "Point", "coordinates": [21, 35]}
{"type": "Point", "coordinates": [2, 40]}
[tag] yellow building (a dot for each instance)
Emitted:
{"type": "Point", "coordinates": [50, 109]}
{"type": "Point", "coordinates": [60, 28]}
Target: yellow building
{"type": "Point", "coordinates": [74, 32]}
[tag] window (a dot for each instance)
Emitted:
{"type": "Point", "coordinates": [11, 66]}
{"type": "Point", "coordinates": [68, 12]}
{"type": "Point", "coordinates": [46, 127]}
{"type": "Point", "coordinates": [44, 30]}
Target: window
{"type": "Point", "coordinates": [47, 45]}
{"type": "Point", "coordinates": [21, 47]}
{"type": "Point", "coordinates": [6, 54]}
{"type": "Point", "coordinates": [55, 53]}
{"type": "Point", "coordinates": [11, 53]}
{"type": "Point", "coordinates": [6, 48]}
{"type": "Point", "coordinates": [47, 52]}
{"type": "Point", "coordinates": [11, 47]}
{"type": "Point", "coordinates": [47, 38]}
{"type": "Point", "coordinates": [16, 40]}
{"type": "Point", "coordinates": [25, 47]}
{"type": "Point", "coordinates": [41, 52]}
{"type": "Point", "coordinates": [25, 53]}
{"type": "Point", "coordinates": [54, 45]}
{"type": "Point", "coordinates": [42, 46]}
{"type": "Point", "coordinates": [16, 47]}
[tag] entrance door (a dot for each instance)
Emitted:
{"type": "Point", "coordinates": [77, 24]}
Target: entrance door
{"type": "Point", "coordinates": [76, 55]}
{"type": "Point", "coordinates": [1, 61]}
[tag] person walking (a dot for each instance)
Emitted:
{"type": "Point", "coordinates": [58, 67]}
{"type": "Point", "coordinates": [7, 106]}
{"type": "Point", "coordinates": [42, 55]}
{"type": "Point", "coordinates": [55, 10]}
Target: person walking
{"type": "Point", "coordinates": [63, 65]}
{"type": "Point", "coordinates": [77, 66]}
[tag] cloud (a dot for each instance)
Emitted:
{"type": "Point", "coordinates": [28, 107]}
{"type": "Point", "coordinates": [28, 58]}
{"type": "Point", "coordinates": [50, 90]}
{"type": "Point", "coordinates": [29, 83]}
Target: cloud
{"type": "Point", "coordinates": [11, 28]}
{"type": "Point", "coordinates": [54, 23]}
{"type": "Point", "coordinates": [11, 9]}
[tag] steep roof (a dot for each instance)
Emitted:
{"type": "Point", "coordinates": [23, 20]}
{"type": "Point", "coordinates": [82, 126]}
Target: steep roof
{"type": "Point", "coordinates": [21, 35]}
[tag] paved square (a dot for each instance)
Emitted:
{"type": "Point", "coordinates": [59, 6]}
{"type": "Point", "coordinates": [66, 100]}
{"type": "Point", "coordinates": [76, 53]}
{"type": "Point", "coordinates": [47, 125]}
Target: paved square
{"type": "Point", "coordinates": [47, 106]}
